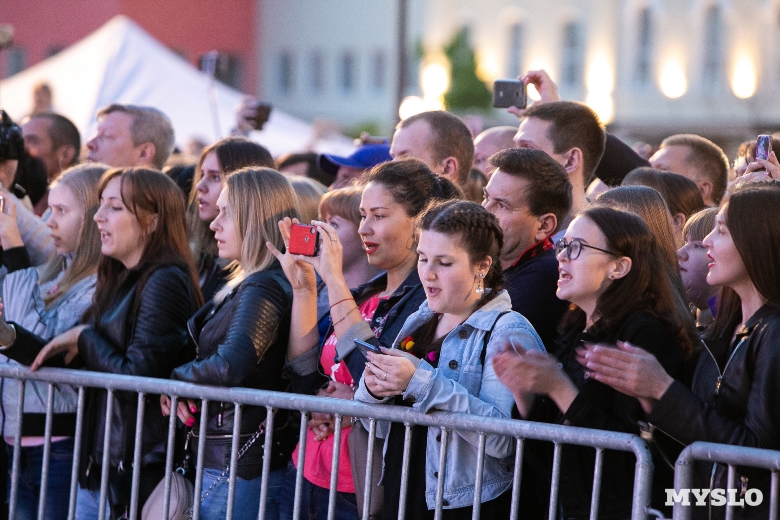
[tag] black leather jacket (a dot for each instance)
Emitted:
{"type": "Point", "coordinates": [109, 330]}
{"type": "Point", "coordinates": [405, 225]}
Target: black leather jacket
{"type": "Point", "coordinates": [241, 341]}
{"type": "Point", "coordinates": [148, 342]}
{"type": "Point", "coordinates": [733, 400]}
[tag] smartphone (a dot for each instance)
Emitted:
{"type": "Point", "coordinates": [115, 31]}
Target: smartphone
{"type": "Point", "coordinates": [763, 146]}
{"type": "Point", "coordinates": [2, 204]}
{"type": "Point", "coordinates": [509, 93]}
{"type": "Point", "coordinates": [367, 347]}
{"type": "Point", "coordinates": [304, 240]}
{"type": "Point", "coordinates": [262, 113]}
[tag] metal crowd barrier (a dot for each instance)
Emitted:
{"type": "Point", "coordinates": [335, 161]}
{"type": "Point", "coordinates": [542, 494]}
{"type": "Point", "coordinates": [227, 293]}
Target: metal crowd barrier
{"type": "Point", "coordinates": [447, 422]}
{"type": "Point", "coordinates": [732, 456]}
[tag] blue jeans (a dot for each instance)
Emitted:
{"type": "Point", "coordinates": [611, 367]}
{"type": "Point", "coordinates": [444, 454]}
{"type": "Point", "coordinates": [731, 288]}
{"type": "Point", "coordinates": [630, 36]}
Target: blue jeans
{"type": "Point", "coordinates": [87, 504]}
{"type": "Point", "coordinates": [246, 504]}
{"type": "Point", "coordinates": [58, 487]}
{"type": "Point", "coordinates": [314, 500]}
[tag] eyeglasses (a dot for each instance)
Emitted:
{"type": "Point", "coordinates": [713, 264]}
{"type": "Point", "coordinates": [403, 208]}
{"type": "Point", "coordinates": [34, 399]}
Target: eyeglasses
{"type": "Point", "coordinates": [574, 248]}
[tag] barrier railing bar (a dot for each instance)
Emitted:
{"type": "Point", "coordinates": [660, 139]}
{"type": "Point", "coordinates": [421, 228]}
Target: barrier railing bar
{"type": "Point", "coordinates": [139, 432]}
{"type": "Point", "coordinates": [643, 478]}
{"type": "Point", "coordinates": [724, 454]}
{"type": "Point", "coordinates": [445, 438]}
{"type": "Point", "coordinates": [334, 467]}
{"type": "Point", "coordinates": [517, 478]}
{"type": "Point", "coordinates": [598, 469]}
{"type": "Point", "coordinates": [301, 457]}
{"type": "Point", "coordinates": [732, 483]}
{"type": "Point", "coordinates": [74, 472]}
{"type": "Point", "coordinates": [368, 487]}
{"type": "Point", "coordinates": [17, 452]}
{"type": "Point", "coordinates": [105, 462]}
{"type": "Point", "coordinates": [405, 471]}
{"type": "Point", "coordinates": [445, 421]}
{"type": "Point", "coordinates": [204, 411]}
{"type": "Point", "coordinates": [169, 455]}
{"type": "Point", "coordinates": [46, 453]}
{"type": "Point", "coordinates": [552, 514]}
{"type": "Point", "coordinates": [235, 444]}
{"type": "Point", "coordinates": [476, 509]}
{"type": "Point", "coordinates": [774, 493]}
{"type": "Point", "coordinates": [270, 419]}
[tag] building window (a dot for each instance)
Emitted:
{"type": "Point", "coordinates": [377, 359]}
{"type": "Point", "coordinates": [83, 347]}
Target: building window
{"type": "Point", "coordinates": [572, 69]}
{"type": "Point", "coordinates": [347, 73]}
{"type": "Point", "coordinates": [712, 71]}
{"type": "Point", "coordinates": [378, 70]}
{"type": "Point", "coordinates": [15, 60]}
{"type": "Point", "coordinates": [515, 51]}
{"type": "Point", "coordinates": [317, 71]}
{"type": "Point", "coordinates": [225, 67]}
{"type": "Point", "coordinates": [285, 72]}
{"type": "Point", "coordinates": [644, 48]}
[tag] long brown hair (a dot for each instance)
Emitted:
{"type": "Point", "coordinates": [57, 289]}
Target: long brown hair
{"type": "Point", "coordinates": [233, 153]}
{"type": "Point", "coordinates": [648, 286]}
{"type": "Point", "coordinates": [751, 217]}
{"type": "Point", "coordinates": [146, 193]}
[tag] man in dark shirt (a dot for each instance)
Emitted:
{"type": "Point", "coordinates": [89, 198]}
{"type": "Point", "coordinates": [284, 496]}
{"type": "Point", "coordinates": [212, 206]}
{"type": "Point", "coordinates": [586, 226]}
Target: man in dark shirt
{"type": "Point", "coordinates": [530, 194]}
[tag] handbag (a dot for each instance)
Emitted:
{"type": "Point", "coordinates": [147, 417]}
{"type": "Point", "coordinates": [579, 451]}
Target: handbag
{"type": "Point", "coordinates": [182, 494]}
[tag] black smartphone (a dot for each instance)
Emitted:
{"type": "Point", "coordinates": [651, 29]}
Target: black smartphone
{"type": "Point", "coordinates": [509, 93]}
{"type": "Point", "coordinates": [262, 113]}
{"type": "Point", "coordinates": [367, 347]}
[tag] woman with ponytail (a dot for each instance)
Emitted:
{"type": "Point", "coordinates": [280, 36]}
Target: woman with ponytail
{"type": "Point", "coordinates": [442, 360]}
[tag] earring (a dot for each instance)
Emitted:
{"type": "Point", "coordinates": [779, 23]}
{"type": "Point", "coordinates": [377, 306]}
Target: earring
{"type": "Point", "coordinates": [480, 287]}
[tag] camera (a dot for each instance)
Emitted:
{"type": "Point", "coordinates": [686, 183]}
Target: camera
{"type": "Point", "coordinates": [11, 139]}
{"type": "Point", "coordinates": [509, 93]}
{"type": "Point", "coordinates": [304, 240]}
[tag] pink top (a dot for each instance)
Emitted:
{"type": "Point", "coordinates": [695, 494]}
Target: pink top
{"type": "Point", "coordinates": [319, 455]}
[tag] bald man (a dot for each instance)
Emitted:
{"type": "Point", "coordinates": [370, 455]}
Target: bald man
{"type": "Point", "coordinates": [490, 142]}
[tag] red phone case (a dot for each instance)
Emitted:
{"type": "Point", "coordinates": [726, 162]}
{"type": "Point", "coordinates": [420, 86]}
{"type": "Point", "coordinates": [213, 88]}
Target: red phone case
{"type": "Point", "coordinates": [304, 240]}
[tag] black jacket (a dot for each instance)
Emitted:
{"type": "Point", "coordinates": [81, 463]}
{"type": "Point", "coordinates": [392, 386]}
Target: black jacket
{"type": "Point", "coordinates": [149, 342]}
{"type": "Point", "coordinates": [733, 400]}
{"type": "Point", "coordinates": [389, 316]}
{"type": "Point", "coordinates": [241, 341]}
{"type": "Point", "coordinates": [531, 283]}
{"type": "Point", "coordinates": [599, 406]}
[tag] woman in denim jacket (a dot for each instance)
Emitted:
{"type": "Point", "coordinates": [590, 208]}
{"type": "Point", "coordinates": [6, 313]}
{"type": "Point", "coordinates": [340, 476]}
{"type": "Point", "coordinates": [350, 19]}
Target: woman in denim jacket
{"type": "Point", "coordinates": [441, 360]}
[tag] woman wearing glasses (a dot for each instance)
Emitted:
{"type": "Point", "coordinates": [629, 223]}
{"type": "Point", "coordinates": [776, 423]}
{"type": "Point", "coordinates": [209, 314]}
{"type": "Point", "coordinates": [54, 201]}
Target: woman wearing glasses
{"type": "Point", "coordinates": [620, 285]}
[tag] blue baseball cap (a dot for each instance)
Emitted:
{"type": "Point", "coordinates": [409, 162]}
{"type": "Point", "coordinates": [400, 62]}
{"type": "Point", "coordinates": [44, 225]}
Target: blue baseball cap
{"type": "Point", "coordinates": [364, 158]}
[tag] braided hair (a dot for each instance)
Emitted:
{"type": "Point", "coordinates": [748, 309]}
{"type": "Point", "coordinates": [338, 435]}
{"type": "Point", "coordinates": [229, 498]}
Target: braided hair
{"type": "Point", "coordinates": [478, 232]}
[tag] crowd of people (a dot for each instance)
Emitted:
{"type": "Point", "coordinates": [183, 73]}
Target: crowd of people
{"type": "Point", "coordinates": [547, 273]}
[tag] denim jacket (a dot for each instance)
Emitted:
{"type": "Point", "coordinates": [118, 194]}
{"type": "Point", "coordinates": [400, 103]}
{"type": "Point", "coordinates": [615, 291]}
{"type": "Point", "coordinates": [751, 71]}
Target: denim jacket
{"type": "Point", "coordinates": [462, 384]}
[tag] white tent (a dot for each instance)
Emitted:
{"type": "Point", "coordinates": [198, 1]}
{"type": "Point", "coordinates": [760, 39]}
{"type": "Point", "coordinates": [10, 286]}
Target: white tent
{"type": "Point", "coordinates": [122, 63]}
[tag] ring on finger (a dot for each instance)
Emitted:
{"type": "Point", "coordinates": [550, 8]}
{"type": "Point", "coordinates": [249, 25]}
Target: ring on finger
{"type": "Point", "coordinates": [385, 377]}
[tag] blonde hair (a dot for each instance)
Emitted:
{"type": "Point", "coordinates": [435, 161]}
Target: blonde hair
{"type": "Point", "coordinates": [342, 202]}
{"type": "Point", "coordinates": [700, 224]}
{"type": "Point", "coordinates": [258, 198]}
{"type": "Point", "coordinates": [308, 194]}
{"type": "Point", "coordinates": [650, 205]}
{"type": "Point", "coordinates": [83, 182]}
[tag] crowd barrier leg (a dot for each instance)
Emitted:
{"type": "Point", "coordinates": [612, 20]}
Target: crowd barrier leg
{"type": "Point", "coordinates": [517, 478]}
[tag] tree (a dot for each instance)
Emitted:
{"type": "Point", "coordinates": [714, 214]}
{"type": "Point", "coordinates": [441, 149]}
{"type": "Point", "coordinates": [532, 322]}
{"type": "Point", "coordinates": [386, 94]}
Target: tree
{"type": "Point", "coordinates": [466, 89]}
